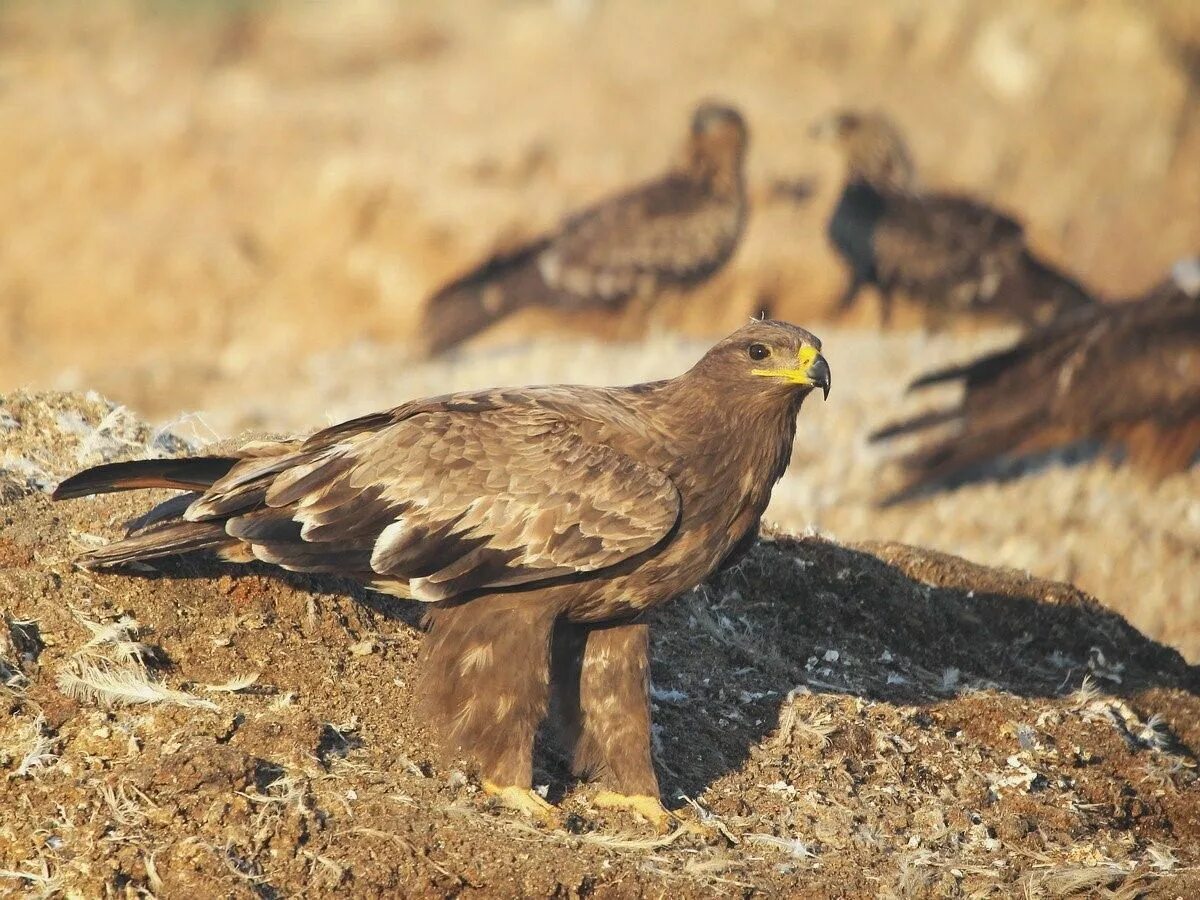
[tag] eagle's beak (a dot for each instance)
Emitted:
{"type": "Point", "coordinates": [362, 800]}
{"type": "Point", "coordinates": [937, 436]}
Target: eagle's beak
{"type": "Point", "coordinates": [818, 375]}
{"type": "Point", "coordinates": [810, 370]}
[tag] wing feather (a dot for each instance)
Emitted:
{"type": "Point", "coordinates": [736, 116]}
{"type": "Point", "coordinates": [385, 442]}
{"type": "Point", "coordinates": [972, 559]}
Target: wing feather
{"type": "Point", "coordinates": [1117, 371]}
{"type": "Point", "coordinates": [453, 499]}
{"type": "Point", "coordinates": [938, 238]}
{"type": "Point", "coordinates": [669, 232]}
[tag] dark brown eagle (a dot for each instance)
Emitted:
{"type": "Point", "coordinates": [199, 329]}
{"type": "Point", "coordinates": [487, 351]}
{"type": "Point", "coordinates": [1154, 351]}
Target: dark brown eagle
{"type": "Point", "coordinates": [1122, 373]}
{"type": "Point", "coordinates": [951, 253]}
{"type": "Point", "coordinates": [672, 232]}
{"type": "Point", "coordinates": [539, 524]}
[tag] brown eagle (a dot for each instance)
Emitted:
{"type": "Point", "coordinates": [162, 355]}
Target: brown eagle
{"type": "Point", "coordinates": [672, 232]}
{"type": "Point", "coordinates": [953, 254]}
{"type": "Point", "coordinates": [1123, 373]}
{"type": "Point", "coordinates": [539, 524]}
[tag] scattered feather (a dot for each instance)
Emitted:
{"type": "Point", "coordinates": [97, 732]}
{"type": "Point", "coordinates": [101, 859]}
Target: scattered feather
{"type": "Point", "coordinates": [233, 685]}
{"type": "Point", "coordinates": [40, 754]}
{"type": "Point", "coordinates": [119, 686]}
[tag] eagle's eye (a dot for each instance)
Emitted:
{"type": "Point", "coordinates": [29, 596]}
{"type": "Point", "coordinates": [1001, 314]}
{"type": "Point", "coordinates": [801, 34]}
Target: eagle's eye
{"type": "Point", "coordinates": [758, 351]}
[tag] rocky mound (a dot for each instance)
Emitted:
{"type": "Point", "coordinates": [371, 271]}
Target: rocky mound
{"type": "Point", "coordinates": [871, 720]}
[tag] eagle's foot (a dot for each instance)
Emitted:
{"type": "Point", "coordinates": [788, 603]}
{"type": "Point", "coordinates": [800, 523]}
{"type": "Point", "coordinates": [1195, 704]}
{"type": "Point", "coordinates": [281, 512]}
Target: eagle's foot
{"type": "Point", "coordinates": [648, 808]}
{"type": "Point", "coordinates": [523, 800]}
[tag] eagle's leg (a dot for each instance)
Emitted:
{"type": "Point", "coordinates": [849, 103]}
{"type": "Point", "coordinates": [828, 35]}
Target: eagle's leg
{"type": "Point", "coordinates": [485, 688]}
{"type": "Point", "coordinates": [602, 678]}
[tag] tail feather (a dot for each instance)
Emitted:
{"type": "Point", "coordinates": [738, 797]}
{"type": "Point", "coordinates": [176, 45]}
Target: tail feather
{"type": "Point", "coordinates": [982, 368]}
{"type": "Point", "coordinates": [985, 368]}
{"type": "Point", "coordinates": [165, 540]}
{"type": "Point", "coordinates": [916, 423]}
{"type": "Point", "coordinates": [499, 287]}
{"type": "Point", "coordinates": [940, 376]}
{"type": "Point", "coordinates": [161, 531]}
{"type": "Point", "coordinates": [183, 474]}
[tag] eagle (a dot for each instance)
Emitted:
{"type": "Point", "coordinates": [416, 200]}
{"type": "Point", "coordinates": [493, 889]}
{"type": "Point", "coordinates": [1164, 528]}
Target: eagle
{"type": "Point", "coordinates": [952, 253]}
{"type": "Point", "coordinates": [538, 525]}
{"type": "Point", "coordinates": [672, 232]}
{"type": "Point", "coordinates": [1123, 373]}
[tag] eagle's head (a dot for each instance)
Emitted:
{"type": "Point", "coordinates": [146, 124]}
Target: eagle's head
{"type": "Point", "coordinates": [872, 145]}
{"type": "Point", "coordinates": [716, 142]}
{"type": "Point", "coordinates": [769, 358]}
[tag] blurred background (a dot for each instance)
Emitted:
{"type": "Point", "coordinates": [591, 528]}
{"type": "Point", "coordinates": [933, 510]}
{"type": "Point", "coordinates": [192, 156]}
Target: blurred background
{"type": "Point", "coordinates": [238, 209]}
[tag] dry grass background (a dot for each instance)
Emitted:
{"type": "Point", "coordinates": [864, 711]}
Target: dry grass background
{"type": "Point", "coordinates": [185, 187]}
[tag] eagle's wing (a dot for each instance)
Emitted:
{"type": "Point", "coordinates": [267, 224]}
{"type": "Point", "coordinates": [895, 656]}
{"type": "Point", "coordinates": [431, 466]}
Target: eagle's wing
{"type": "Point", "coordinates": [448, 498]}
{"type": "Point", "coordinates": [668, 232]}
{"type": "Point", "coordinates": [941, 239]}
{"type": "Point", "coordinates": [1127, 372]}
{"type": "Point", "coordinates": [1131, 366]}
{"type": "Point", "coordinates": [672, 231]}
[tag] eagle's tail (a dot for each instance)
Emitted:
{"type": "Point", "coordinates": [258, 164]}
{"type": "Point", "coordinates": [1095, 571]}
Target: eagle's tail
{"type": "Point", "coordinates": [162, 531]}
{"type": "Point", "coordinates": [165, 539]}
{"type": "Point", "coordinates": [187, 474]}
{"type": "Point", "coordinates": [1044, 341]}
{"type": "Point", "coordinates": [498, 288]}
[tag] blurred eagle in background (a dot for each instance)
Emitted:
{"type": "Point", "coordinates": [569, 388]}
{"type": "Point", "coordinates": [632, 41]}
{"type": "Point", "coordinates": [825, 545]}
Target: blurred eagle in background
{"type": "Point", "coordinates": [952, 254]}
{"type": "Point", "coordinates": [673, 232]}
{"type": "Point", "coordinates": [1123, 374]}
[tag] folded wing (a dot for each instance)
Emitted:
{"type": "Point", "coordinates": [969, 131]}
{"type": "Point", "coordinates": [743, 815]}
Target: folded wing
{"type": "Point", "coordinates": [433, 502]}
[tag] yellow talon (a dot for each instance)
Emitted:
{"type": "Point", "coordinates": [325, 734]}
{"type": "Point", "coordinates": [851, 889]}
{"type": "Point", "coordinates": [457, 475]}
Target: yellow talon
{"type": "Point", "coordinates": [643, 805]}
{"type": "Point", "coordinates": [523, 800]}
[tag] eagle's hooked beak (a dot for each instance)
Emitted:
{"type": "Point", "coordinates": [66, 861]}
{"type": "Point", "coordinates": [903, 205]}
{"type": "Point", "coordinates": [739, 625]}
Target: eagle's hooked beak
{"type": "Point", "coordinates": [818, 375]}
{"type": "Point", "coordinates": [810, 370]}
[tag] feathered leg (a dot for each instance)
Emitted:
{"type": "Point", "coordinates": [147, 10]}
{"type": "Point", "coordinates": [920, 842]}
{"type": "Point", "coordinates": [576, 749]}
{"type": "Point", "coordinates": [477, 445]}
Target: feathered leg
{"type": "Point", "coordinates": [485, 673]}
{"type": "Point", "coordinates": [602, 679]}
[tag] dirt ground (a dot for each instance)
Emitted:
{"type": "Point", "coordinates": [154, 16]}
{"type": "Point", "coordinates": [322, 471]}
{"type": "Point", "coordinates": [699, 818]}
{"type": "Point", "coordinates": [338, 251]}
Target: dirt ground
{"type": "Point", "coordinates": [207, 730]}
{"type": "Point", "coordinates": [225, 216]}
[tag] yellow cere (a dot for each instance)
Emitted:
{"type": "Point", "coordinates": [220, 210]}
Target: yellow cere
{"type": "Point", "coordinates": [805, 357]}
